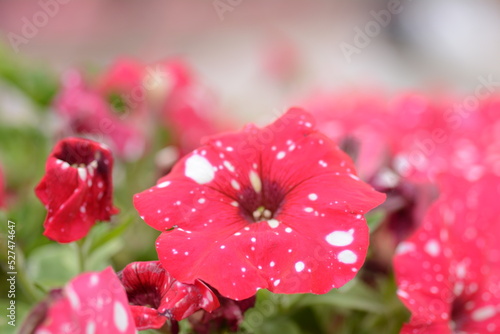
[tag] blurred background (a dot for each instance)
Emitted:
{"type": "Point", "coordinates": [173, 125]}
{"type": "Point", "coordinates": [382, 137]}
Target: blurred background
{"type": "Point", "coordinates": [264, 55]}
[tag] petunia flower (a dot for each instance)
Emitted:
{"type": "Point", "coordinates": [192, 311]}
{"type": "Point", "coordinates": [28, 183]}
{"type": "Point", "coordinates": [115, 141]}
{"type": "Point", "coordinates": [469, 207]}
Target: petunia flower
{"type": "Point", "coordinates": [279, 208]}
{"type": "Point", "coordinates": [93, 302]}
{"type": "Point", "coordinates": [76, 188]}
{"type": "Point", "coordinates": [229, 315]}
{"type": "Point", "coordinates": [108, 113]}
{"type": "Point", "coordinates": [155, 296]}
{"type": "Point", "coordinates": [189, 110]}
{"type": "Point", "coordinates": [448, 272]}
{"type": "Point", "coordinates": [359, 123]}
{"type": "Point", "coordinates": [450, 136]}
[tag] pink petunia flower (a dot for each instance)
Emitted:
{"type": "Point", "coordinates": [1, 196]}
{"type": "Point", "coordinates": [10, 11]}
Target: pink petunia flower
{"type": "Point", "coordinates": [155, 296]}
{"type": "Point", "coordinates": [279, 208]}
{"type": "Point", "coordinates": [114, 112]}
{"type": "Point", "coordinates": [189, 110]}
{"type": "Point", "coordinates": [448, 136]}
{"type": "Point", "coordinates": [448, 272]}
{"type": "Point", "coordinates": [92, 302]}
{"type": "Point", "coordinates": [76, 188]}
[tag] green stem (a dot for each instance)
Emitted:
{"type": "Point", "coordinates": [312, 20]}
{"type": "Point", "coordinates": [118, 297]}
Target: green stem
{"type": "Point", "coordinates": [28, 287]}
{"type": "Point", "coordinates": [81, 253]}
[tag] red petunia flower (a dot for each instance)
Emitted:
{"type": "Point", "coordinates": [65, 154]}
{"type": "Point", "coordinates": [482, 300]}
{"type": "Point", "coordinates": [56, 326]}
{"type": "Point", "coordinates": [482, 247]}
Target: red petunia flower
{"type": "Point", "coordinates": [229, 315]}
{"type": "Point", "coordinates": [278, 208]}
{"type": "Point", "coordinates": [93, 302]}
{"type": "Point", "coordinates": [155, 296]}
{"type": "Point", "coordinates": [448, 272]}
{"type": "Point", "coordinates": [76, 189]}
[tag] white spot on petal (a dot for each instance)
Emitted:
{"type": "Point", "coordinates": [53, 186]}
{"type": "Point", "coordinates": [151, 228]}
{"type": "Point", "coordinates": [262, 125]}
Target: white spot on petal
{"type": "Point", "coordinates": [432, 248]}
{"type": "Point", "coordinates": [299, 266]}
{"type": "Point", "coordinates": [347, 257]}
{"type": "Point", "coordinates": [82, 172]}
{"type": "Point", "coordinates": [163, 184]}
{"type": "Point", "coordinates": [90, 329]}
{"type": "Point", "coordinates": [235, 184]}
{"type": "Point", "coordinates": [73, 298]}
{"type": "Point", "coordinates": [120, 317]}
{"type": "Point", "coordinates": [312, 197]}
{"type": "Point", "coordinates": [229, 166]}
{"type": "Point", "coordinates": [199, 169]}
{"type": "Point", "coordinates": [405, 247]}
{"type": "Point", "coordinates": [94, 279]}
{"type": "Point", "coordinates": [255, 181]}
{"type": "Point", "coordinates": [340, 238]}
{"type": "Point", "coordinates": [280, 155]}
{"type": "Point", "coordinates": [483, 313]}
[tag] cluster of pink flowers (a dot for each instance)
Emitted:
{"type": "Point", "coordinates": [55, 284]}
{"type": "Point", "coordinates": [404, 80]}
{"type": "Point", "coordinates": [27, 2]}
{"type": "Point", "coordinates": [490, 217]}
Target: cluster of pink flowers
{"type": "Point", "coordinates": [280, 207]}
{"type": "Point", "coordinates": [120, 106]}
{"type": "Point", "coordinates": [416, 149]}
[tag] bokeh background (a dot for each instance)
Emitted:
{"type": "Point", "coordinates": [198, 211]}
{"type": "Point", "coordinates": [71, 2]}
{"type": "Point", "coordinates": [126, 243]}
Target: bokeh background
{"type": "Point", "coordinates": [263, 55]}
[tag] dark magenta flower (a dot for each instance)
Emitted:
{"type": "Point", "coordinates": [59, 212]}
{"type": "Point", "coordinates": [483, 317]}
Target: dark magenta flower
{"type": "Point", "coordinates": [229, 315]}
{"type": "Point", "coordinates": [76, 188]}
{"type": "Point", "coordinates": [279, 208]}
{"type": "Point", "coordinates": [448, 272]}
{"type": "Point", "coordinates": [155, 296]}
{"type": "Point", "coordinates": [92, 302]}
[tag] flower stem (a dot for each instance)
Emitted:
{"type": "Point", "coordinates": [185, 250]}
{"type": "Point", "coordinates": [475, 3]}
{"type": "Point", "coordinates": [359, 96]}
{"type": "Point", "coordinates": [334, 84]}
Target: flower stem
{"type": "Point", "coordinates": [81, 253]}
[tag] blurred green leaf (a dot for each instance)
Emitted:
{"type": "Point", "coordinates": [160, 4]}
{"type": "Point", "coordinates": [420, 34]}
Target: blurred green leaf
{"type": "Point", "coordinates": [375, 219]}
{"type": "Point", "coordinates": [106, 232]}
{"type": "Point", "coordinates": [100, 258]}
{"type": "Point", "coordinates": [355, 295]}
{"type": "Point", "coordinates": [52, 265]}
{"type": "Point", "coordinates": [279, 325]}
{"type": "Point", "coordinates": [34, 80]}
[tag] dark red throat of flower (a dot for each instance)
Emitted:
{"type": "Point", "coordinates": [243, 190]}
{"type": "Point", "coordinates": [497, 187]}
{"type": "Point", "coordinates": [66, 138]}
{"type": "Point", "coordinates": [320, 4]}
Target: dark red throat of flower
{"type": "Point", "coordinates": [79, 153]}
{"type": "Point", "coordinates": [262, 205]}
{"type": "Point", "coordinates": [145, 295]}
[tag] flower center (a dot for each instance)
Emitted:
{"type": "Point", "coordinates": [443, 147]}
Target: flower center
{"type": "Point", "coordinates": [262, 205]}
{"type": "Point", "coordinates": [78, 155]}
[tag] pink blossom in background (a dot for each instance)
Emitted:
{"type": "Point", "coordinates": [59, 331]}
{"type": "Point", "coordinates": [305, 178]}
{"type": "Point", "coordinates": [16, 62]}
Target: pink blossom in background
{"type": "Point", "coordinates": [448, 272]}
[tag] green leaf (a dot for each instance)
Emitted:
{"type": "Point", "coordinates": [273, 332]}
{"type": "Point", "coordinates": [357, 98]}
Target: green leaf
{"type": "Point", "coordinates": [100, 258]}
{"type": "Point", "coordinates": [278, 325]}
{"type": "Point", "coordinates": [51, 266]}
{"type": "Point", "coordinates": [104, 233]}
{"type": "Point", "coordinates": [355, 295]}
{"type": "Point", "coordinates": [375, 219]}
